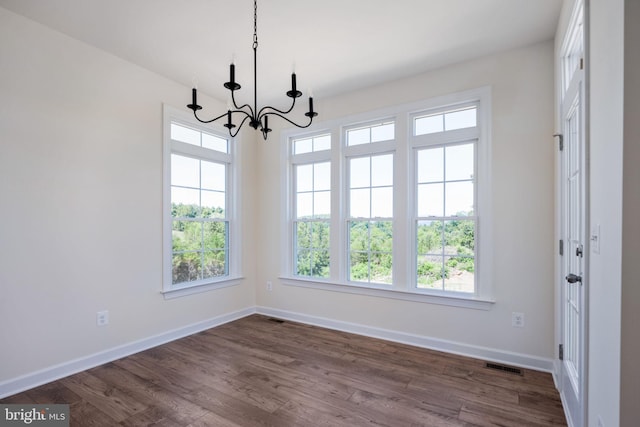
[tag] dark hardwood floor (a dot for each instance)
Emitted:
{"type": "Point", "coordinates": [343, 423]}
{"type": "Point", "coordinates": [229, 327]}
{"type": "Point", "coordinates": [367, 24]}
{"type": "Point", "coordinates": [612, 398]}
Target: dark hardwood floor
{"type": "Point", "coordinates": [260, 372]}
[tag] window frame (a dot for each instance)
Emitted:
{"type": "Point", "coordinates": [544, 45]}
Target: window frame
{"type": "Point", "coordinates": [233, 254]}
{"type": "Point", "coordinates": [403, 147]}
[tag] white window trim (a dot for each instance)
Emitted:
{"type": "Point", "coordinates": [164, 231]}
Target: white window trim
{"type": "Point", "coordinates": [404, 171]}
{"type": "Point", "coordinates": [234, 277]}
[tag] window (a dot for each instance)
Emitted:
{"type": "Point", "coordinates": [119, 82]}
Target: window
{"type": "Point", "coordinates": [395, 203]}
{"type": "Point", "coordinates": [446, 221]}
{"type": "Point", "coordinates": [312, 182]}
{"type": "Point", "coordinates": [370, 201]}
{"type": "Point", "coordinates": [198, 205]}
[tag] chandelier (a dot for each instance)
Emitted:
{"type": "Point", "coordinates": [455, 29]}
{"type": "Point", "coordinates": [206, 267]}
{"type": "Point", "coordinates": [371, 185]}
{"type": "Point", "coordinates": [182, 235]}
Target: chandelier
{"type": "Point", "coordinates": [257, 118]}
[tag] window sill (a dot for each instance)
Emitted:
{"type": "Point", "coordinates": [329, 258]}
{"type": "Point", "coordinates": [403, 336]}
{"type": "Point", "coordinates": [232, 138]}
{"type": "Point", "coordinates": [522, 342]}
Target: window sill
{"type": "Point", "coordinates": [197, 289]}
{"type": "Point", "coordinates": [450, 299]}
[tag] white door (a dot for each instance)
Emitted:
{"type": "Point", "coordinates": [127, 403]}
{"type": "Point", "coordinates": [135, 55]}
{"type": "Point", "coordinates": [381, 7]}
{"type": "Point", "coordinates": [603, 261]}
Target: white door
{"type": "Point", "coordinates": [573, 259]}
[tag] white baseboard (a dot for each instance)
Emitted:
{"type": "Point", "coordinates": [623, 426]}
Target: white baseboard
{"type": "Point", "coordinates": [477, 352]}
{"type": "Point", "coordinates": [26, 382]}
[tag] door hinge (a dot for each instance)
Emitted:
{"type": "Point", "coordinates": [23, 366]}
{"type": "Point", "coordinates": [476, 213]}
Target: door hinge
{"type": "Point", "coordinates": [560, 140]}
{"type": "Point", "coordinates": [582, 63]}
{"type": "Point", "coordinates": [561, 352]}
{"type": "Point", "coordinates": [561, 246]}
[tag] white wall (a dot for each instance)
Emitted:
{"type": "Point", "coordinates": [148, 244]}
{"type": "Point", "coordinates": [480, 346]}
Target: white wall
{"type": "Point", "coordinates": [606, 85]}
{"type": "Point", "coordinates": [523, 200]}
{"type": "Point", "coordinates": [81, 203]}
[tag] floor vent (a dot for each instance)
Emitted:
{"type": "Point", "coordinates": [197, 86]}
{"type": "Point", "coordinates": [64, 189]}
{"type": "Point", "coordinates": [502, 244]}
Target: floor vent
{"type": "Point", "coordinates": [273, 319]}
{"type": "Point", "coordinates": [504, 368]}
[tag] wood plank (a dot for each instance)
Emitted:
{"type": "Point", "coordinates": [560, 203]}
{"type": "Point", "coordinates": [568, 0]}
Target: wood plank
{"type": "Point", "coordinates": [105, 397]}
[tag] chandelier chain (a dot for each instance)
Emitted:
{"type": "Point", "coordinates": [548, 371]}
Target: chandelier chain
{"type": "Point", "coordinates": [255, 24]}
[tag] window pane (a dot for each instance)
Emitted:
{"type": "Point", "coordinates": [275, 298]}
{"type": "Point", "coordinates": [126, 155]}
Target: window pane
{"type": "Point", "coordinates": [215, 235]}
{"type": "Point", "coordinates": [459, 198]}
{"type": "Point", "coordinates": [429, 124]}
{"type": "Point", "coordinates": [382, 202]}
{"type": "Point", "coordinates": [359, 266]}
{"type": "Point", "coordinates": [459, 274]}
{"type": "Point", "coordinates": [430, 200]}
{"type": "Point", "coordinates": [215, 264]}
{"type": "Point", "coordinates": [301, 146]}
{"type": "Point", "coordinates": [460, 119]}
{"type": "Point", "coordinates": [358, 136]}
{"type": "Point", "coordinates": [303, 235]}
{"type": "Point", "coordinates": [459, 162]}
{"type": "Point", "coordinates": [186, 236]}
{"type": "Point", "coordinates": [431, 165]}
{"type": "Point", "coordinates": [322, 204]}
{"type": "Point", "coordinates": [304, 178]}
{"type": "Point", "coordinates": [360, 173]}
{"type": "Point", "coordinates": [185, 171]}
{"type": "Point", "coordinates": [213, 204]}
{"type": "Point", "coordinates": [381, 269]}
{"type": "Point", "coordinates": [216, 143]}
{"type": "Point", "coordinates": [321, 143]}
{"type": "Point", "coordinates": [359, 203]}
{"type": "Point", "coordinates": [459, 237]}
{"type": "Point", "coordinates": [381, 238]}
{"type": "Point", "coordinates": [430, 272]}
{"type": "Point", "coordinates": [185, 202]}
{"type": "Point", "coordinates": [382, 168]}
{"type": "Point", "coordinates": [430, 238]}
{"type": "Point", "coordinates": [383, 132]}
{"type": "Point", "coordinates": [304, 205]}
{"type": "Point", "coordinates": [312, 249]}
{"type": "Point", "coordinates": [322, 176]}
{"type": "Point", "coordinates": [321, 235]}
{"type": "Point", "coordinates": [359, 235]}
{"type": "Point", "coordinates": [320, 264]}
{"type": "Point", "coordinates": [213, 176]}
{"type": "Point", "coordinates": [184, 134]}
{"type": "Point", "coordinates": [303, 262]}
{"type": "Point", "coordinates": [186, 267]}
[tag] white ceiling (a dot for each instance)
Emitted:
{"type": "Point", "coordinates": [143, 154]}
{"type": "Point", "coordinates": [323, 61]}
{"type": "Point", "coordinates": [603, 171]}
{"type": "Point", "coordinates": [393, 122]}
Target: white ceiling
{"type": "Point", "coordinates": [336, 45]}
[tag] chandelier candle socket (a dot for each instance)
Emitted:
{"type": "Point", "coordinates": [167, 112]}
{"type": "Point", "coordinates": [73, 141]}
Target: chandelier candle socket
{"type": "Point", "coordinates": [258, 118]}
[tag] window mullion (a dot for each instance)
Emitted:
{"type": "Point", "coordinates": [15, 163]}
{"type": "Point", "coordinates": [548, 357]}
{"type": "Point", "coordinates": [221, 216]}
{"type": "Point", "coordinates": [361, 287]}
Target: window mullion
{"type": "Point", "coordinates": [337, 228]}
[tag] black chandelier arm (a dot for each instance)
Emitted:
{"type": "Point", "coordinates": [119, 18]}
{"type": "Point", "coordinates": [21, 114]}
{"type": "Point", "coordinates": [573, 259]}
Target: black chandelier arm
{"type": "Point", "coordinates": [195, 114]}
{"type": "Point", "coordinates": [240, 108]}
{"type": "Point", "coordinates": [270, 113]}
{"type": "Point", "coordinates": [262, 113]}
{"type": "Point", "coordinates": [247, 116]}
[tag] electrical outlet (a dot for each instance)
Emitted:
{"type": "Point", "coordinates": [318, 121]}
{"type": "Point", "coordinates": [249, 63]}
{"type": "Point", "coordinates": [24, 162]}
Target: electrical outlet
{"type": "Point", "coordinates": [269, 286]}
{"type": "Point", "coordinates": [102, 318]}
{"type": "Point", "coordinates": [517, 320]}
